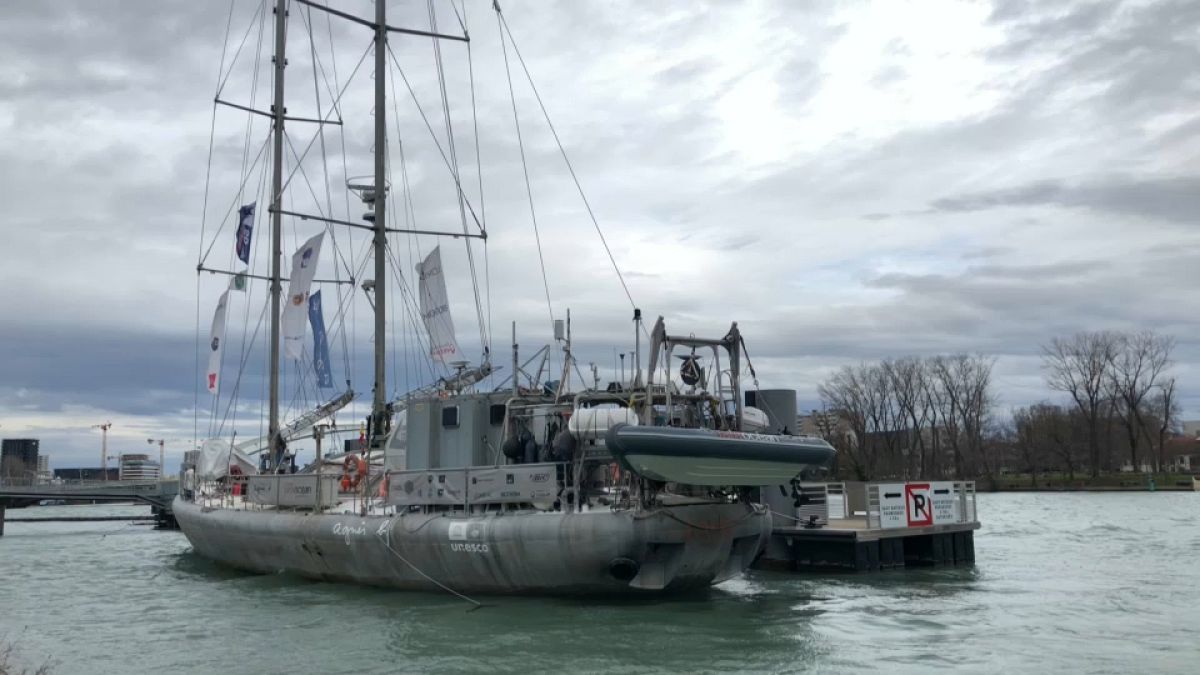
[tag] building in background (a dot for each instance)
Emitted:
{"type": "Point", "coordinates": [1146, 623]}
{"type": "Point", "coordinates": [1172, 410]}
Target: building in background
{"type": "Point", "coordinates": [1191, 428]}
{"type": "Point", "coordinates": [86, 473]}
{"type": "Point", "coordinates": [136, 466]}
{"type": "Point", "coordinates": [43, 467]}
{"type": "Point", "coordinates": [18, 457]}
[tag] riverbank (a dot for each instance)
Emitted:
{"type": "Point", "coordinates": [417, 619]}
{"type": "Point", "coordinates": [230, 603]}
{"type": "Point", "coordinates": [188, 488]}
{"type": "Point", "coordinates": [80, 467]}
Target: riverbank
{"type": "Point", "coordinates": [1124, 482]}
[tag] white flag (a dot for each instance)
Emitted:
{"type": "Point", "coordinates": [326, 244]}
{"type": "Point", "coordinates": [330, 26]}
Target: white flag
{"type": "Point", "coordinates": [238, 282]}
{"type": "Point", "coordinates": [295, 311]}
{"type": "Point", "coordinates": [435, 308]}
{"type": "Point", "coordinates": [214, 343]}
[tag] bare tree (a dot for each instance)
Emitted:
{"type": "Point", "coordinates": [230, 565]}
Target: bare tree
{"type": "Point", "coordinates": [846, 394]}
{"type": "Point", "coordinates": [1079, 366]}
{"type": "Point", "coordinates": [1047, 436]}
{"type": "Point", "coordinates": [975, 375]}
{"type": "Point", "coordinates": [1166, 408]}
{"type": "Point", "coordinates": [908, 387]}
{"type": "Point", "coordinates": [1137, 365]}
{"type": "Point", "coordinates": [889, 407]}
{"type": "Point", "coordinates": [949, 399]}
{"type": "Point", "coordinates": [1027, 442]}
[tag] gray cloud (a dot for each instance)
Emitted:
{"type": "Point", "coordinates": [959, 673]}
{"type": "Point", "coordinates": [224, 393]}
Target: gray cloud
{"type": "Point", "coordinates": [1175, 199]}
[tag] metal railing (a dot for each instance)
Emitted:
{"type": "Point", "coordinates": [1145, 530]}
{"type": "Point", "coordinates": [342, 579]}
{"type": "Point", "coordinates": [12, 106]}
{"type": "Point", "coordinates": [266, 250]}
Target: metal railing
{"type": "Point", "coordinates": [65, 485]}
{"type": "Point", "coordinates": [836, 502]}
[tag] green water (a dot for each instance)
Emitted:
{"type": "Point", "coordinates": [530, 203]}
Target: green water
{"type": "Point", "coordinates": [1063, 583]}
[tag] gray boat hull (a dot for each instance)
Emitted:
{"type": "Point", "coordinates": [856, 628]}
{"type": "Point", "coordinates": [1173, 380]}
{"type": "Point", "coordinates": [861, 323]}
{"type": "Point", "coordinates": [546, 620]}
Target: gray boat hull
{"type": "Point", "coordinates": [666, 549]}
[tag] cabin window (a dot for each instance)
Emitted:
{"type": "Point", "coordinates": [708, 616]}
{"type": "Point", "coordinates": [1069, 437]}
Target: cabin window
{"type": "Point", "coordinates": [450, 416]}
{"type": "Point", "coordinates": [496, 414]}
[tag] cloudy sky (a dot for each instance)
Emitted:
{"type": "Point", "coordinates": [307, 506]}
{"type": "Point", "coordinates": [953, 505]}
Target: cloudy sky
{"type": "Point", "coordinates": [849, 181]}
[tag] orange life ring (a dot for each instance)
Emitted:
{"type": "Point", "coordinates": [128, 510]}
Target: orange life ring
{"type": "Point", "coordinates": [353, 470]}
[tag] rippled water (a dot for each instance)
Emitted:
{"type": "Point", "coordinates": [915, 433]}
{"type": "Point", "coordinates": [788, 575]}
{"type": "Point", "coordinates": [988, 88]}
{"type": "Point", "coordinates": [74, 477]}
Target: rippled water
{"type": "Point", "coordinates": [1063, 583]}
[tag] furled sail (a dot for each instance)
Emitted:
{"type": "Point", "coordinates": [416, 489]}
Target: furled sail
{"type": "Point", "coordinates": [435, 308]}
{"type": "Point", "coordinates": [295, 312]}
{"type": "Point", "coordinates": [215, 336]}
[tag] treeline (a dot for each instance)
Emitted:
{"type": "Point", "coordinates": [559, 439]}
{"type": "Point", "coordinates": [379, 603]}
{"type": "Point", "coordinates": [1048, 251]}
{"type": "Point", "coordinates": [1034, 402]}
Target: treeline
{"type": "Point", "coordinates": [912, 417]}
{"type": "Point", "coordinates": [1122, 405]}
{"type": "Point", "coordinates": [936, 417]}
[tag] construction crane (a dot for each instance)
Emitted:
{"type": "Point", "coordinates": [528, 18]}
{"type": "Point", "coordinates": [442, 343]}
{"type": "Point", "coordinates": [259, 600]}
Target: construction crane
{"type": "Point", "coordinates": [162, 460]}
{"type": "Point", "coordinates": [103, 447]}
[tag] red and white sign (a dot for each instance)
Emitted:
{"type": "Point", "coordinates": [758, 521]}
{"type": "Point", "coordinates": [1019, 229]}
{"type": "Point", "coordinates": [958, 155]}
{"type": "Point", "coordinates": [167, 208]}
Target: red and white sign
{"type": "Point", "coordinates": [918, 504]}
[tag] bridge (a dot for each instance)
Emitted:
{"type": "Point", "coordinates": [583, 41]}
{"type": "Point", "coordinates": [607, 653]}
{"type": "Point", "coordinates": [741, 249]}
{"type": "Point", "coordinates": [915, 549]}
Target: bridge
{"type": "Point", "coordinates": [158, 494]}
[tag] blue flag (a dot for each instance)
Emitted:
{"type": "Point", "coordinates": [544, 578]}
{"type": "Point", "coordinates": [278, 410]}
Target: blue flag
{"type": "Point", "coordinates": [320, 343]}
{"type": "Point", "coordinates": [244, 230]}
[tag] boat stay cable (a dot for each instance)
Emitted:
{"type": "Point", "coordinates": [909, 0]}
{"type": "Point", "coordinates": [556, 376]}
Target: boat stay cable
{"type": "Point", "coordinates": [450, 144]}
{"type": "Point", "coordinates": [487, 268]}
{"type": "Point", "coordinates": [503, 22]}
{"type": "Point", "coordinates": [212, 133]}
{"type": "Point", "coordinates": [525, 168]}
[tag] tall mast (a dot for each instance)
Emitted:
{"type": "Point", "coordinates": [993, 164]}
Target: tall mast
{"type": "Point", "coordinates": [276, 222]}
{"type": "Point", "coordinates": [379, 405]}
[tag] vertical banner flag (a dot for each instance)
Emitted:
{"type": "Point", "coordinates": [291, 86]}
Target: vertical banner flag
{"type": "Point", "coordinates": [435, 309]}
{"type": "Point", "coordinates": [214, 343]}
{"type": "Point", "coordinates": [244, 231]}
{"type": "Point", "coordinates": [320, 343]}
{"type": "Point", "coordinates": [295, 309]}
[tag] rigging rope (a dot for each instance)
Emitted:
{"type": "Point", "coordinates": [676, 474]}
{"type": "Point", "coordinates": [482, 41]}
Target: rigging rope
{"type": "Point", "coordinates": [487, 267]}
{"type": "Point", "coordinates": [347, 353]}
{"type": "Point", "coordinates": [578, 186]}
{"type": "Point", "coordinates": [445, 159]}
{"type": "Point", "coordinates": [525, 167]}
{"type": "Point", "coordinates": [385, 538]}
{"type": "Point", "coordinates": [437, 53]}
{"type": "Point", "coordinates": [410, 217]}
{"type": "Point", "coordinates": [337, 275]}
{"type": "Point", "coordinates": [223, 75]}
{"type": "Point", "coordinates": [212, 132]}
{"type": "Point", "coordinates": [333, 106]}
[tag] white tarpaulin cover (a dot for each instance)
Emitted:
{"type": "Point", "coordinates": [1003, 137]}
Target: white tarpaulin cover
{"type": "Point", "coordinates": [215, 457]}
{"type": "Point", "coordinates": [435, 308]}
{"type": "Point", "coordinates": [295, 310]}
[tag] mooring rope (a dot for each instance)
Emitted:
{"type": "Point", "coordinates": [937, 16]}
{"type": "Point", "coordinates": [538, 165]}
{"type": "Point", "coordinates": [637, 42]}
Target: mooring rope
{"type": "Point", "coordinates": [444, 587]}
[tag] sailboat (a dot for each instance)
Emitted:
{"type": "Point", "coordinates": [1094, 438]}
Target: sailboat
{"type": "Point", "coordinates": [528, 487]}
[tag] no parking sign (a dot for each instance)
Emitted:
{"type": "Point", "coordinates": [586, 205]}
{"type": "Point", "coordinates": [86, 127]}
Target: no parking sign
{"type": "Point", "coordinates": [918, 504]}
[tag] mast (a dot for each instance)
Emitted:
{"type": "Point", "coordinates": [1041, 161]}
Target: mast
{"type": "Point", "coordinates": [276, 222]}
{"type": "Point", "coordinates": [379, 404]}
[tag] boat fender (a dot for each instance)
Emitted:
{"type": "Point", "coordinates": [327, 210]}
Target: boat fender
{"type": "Point", "coordinates": [512, 448]}
{"type": "Point", "coordinates": [623, 569]}
{"type": "Point", "coordinates": [564, 445]}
